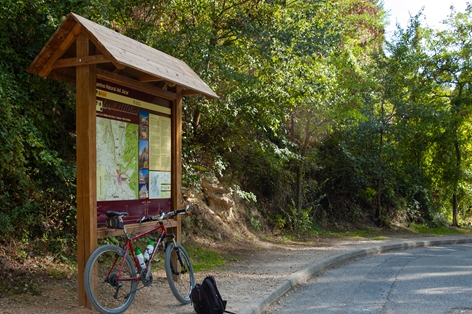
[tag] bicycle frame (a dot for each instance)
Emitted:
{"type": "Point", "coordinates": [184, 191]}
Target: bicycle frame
{"type": "Point", "coordinates": [128, 248]}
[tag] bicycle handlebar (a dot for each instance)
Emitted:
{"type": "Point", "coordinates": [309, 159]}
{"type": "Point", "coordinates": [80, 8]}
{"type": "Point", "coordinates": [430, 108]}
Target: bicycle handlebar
{"type": "Point", "coordinates": [163, 216]}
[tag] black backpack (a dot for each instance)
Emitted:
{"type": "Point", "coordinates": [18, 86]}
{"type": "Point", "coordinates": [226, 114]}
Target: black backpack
{"type": "Point", "coordinates": [206, 298]}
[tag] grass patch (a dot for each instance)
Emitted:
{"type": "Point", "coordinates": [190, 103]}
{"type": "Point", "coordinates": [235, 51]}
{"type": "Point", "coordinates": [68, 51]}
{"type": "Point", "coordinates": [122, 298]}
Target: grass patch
{"type": "Point", "coordinates": [203, 259]}
{"type": "Point", "coordinates": [441, 230]}
{"type": "Point", "coordinates": [367, 233]}
{"type": "Point", "coordinates": [57, 273]}
{"type": "Point", "coordinates": [364, 233]}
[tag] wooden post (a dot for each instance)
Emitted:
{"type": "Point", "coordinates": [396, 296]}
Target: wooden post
{"type": "Point", "coordinates": [86, 163]}
{"type": "Point", "coordinates": [177, 158]}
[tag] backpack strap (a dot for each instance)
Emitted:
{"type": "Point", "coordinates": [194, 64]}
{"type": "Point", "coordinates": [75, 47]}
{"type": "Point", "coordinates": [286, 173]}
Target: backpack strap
{"type": "Point", "coordinates": [218, 293]}
{"type": "Point", "coordinates": [213, 281]}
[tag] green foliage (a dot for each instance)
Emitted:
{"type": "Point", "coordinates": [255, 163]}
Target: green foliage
{"type": "Point", "coordinates": [318, 120]}
{"type": "Point", "coordinates": [38, 172]}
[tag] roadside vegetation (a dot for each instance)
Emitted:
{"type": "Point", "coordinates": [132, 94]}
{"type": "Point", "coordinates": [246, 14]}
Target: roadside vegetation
{"type": "Point", "coordinates": [323, 126]}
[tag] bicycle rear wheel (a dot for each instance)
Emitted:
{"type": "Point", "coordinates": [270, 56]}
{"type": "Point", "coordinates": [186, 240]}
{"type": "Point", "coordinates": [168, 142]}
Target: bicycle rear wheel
{"type": "Point", "coordinates": [105, 292]}
{"type": "Point", "coordinates": [179, 272]}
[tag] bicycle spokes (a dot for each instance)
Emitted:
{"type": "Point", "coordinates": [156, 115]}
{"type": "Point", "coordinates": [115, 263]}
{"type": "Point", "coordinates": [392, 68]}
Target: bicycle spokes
{"type": "Point", "coordinates": [104, 279]}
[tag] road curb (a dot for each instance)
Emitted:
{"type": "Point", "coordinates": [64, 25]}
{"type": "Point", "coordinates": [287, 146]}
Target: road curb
{"type": "Point", "coordinates": [317, 267]}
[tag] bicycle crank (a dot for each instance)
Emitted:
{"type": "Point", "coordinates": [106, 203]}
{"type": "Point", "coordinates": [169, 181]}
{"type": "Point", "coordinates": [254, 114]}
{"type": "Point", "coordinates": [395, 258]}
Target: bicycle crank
{"type": "Point", "coordinates": [146, 277]}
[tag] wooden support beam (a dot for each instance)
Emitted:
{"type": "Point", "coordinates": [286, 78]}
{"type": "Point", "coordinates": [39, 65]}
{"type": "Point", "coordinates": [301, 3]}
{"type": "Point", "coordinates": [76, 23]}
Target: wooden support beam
{"type": "Point", "coordinates": [60, 51]}
{"type": "Point", "coordinates": [86, 164]}
{"type": "Point", "coordinates": [133, 228]}
{"type": "Point", "coordinates": [149, 78]}
{"type": "Point", "coordinates": [99, 45]}
{"type": "Point", "coordinates": [131, 83]}
{"type": "Point", "coordinates": [72, 62]}
{"type": "Point", "coordinates": [190, 92]}
{"type": "Point", "coordinates": [177, 158]}
{"type": "Point", "coordinates": [146, 78]}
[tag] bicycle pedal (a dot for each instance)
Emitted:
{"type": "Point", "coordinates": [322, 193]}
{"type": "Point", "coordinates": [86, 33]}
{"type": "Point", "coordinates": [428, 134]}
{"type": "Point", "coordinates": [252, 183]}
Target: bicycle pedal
{"type": "Point", "coordinates": [156, 260]}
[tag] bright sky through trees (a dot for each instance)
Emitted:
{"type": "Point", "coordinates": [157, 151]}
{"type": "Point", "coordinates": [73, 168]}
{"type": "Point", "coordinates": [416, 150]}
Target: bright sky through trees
{"type": "Point", "coordinates": [434, 10]}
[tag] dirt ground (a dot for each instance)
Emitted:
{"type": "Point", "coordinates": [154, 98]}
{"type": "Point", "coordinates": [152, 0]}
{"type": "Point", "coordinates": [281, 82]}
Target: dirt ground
{"type": "Point", "coordinates": [257, 269]}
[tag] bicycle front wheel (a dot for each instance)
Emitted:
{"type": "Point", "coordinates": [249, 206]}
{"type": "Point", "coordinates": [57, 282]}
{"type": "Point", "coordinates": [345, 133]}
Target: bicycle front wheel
{"type": "Point", "coordinates": [104, 289]}
{"type": "Point", "coordinates": [179, 272]}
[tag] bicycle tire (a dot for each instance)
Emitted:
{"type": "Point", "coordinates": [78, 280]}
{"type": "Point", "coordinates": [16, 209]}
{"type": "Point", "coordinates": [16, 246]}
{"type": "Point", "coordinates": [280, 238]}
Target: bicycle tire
{"type": "Point", "coordinates": [179, 272]}
{"type": "Point", "coordinates": [98, 266]}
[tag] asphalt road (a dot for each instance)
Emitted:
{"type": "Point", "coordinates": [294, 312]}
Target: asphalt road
{"type": "Point", "coordinates": [425, 280]}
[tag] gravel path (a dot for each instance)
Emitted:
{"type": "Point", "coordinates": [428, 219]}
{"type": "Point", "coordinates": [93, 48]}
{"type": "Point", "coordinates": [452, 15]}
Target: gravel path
{"type": "Point", "coordinates": [261, 269]}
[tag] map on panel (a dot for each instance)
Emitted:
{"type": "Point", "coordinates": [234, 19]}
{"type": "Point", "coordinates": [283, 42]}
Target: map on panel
{"type": "Point", "coordinates": [159, 184]}
{"type": "Point", "coordinates": [117, 162]}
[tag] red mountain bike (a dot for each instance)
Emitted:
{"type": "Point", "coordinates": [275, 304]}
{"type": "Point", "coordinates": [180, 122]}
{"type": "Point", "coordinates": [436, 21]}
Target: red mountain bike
{"type": "Point", "coordinates": [112, 273]}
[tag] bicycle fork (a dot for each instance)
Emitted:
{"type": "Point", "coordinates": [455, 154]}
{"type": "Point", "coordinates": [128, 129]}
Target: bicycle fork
{"type": "Point", "coordinates": [181, 266]}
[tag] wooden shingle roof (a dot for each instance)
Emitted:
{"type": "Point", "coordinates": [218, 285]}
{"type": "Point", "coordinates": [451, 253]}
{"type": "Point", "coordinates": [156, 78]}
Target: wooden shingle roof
{"type": "Point", "coordinates": [116, 56]}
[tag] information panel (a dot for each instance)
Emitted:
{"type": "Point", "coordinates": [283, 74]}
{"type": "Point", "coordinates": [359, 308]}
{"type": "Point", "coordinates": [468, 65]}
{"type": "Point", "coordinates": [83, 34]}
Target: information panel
{"type": "Point", "coordinates": [133, 152]}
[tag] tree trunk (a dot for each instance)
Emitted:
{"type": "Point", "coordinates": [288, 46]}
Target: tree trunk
{"type": "Point", "coordinates": [378, 206]}
{"type": "Point", "coordinates": [299, 195]}
{"type": "Point", "coordinates": [455, 201]}
{"type": "Point", "coordinates": [299, 192]}
{"type": "Point", "coordinates": [454, 209]}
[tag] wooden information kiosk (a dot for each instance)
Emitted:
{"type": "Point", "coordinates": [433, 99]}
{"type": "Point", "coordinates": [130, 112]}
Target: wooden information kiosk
{"type": "Point", "coordinates": [129, 125]}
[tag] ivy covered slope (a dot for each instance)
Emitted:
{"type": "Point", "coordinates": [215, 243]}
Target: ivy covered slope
{"type": "Point", "coordinates": [320, 121]}
{"type": "Point", "coordinates": [37, 158]}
